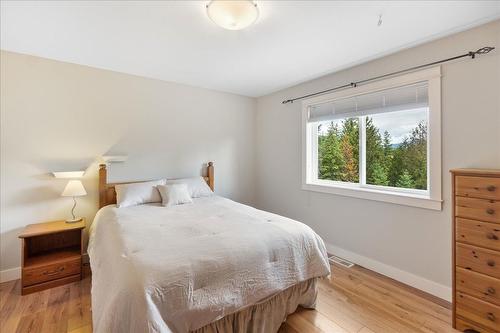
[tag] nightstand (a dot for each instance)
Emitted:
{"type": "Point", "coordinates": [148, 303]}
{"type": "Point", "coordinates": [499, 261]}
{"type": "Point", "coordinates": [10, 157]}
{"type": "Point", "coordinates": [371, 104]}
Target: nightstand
{"type": "Point", "coordinates": [51, 255]}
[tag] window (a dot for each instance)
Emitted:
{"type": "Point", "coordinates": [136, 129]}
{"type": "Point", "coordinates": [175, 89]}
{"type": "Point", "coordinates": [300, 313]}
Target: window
{"type": "Point", "coordinates": [380, 141]}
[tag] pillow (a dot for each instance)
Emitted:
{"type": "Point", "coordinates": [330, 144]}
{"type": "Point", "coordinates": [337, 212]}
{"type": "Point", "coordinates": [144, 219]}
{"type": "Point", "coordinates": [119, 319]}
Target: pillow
{"type": "Point", "coordinates": [138, 193]}
{"type": "Point", "coordinates": [197, 186]}
{"type": "Point", "coordinates": [174, 194]}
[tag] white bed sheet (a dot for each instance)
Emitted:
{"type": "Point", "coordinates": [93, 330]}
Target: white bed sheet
{"type": "Point", "coordinates": [176, 269]}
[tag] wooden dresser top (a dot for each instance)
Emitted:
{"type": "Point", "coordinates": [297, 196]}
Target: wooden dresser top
{"type": "Point", "coordinates": [477, 172]}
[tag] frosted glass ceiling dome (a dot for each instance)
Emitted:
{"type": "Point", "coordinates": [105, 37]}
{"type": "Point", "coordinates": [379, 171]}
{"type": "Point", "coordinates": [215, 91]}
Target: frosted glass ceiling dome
{"type": "Point", "coordinates": [233, 15]}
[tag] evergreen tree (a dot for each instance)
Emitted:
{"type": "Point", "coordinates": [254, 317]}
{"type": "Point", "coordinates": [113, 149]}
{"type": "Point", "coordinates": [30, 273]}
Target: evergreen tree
{"type": "Point", "coordinates": [375, 157]}
{"type": "Point", "coordinates": [417, 155]}
{"type": "Point", "coordinates": [331, 161]}
{"type": "Point", "coordinates": [396, 166]}
{"type": "Point", "coordinates": [379, 175]}
{"type": "Point", "coordinates": [405, 180]}
{"type": "Point", "coordinates": [387, 143]}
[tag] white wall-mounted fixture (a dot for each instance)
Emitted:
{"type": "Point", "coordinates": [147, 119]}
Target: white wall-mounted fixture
{"type": "Point", "coordinates": [73, 189]}
{"type": "Point", "coordinates": [114, 158]}
{"type": "Point", "coordinates": [233, 15]}
{"type": "Point", "coordinates": [69, 174]}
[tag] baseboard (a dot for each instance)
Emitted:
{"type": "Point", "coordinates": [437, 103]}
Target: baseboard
{"type": "Point", "coordinates": [415, 281]}
{"type": "Point", "coordinates": [10, 274]}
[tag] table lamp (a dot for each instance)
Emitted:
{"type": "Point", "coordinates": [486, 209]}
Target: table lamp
{"type": "Point", "coordinates": [74, 188]}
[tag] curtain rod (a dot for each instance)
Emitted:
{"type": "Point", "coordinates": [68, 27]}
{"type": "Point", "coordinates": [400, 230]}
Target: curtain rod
{"type": "Point", "coordinates": [471, 54]}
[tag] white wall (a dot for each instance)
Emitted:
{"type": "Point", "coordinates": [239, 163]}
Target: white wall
{"type": "Point", "coordinates": [57, 116]}
{"type": "Point", "coordinates": [410, 244]}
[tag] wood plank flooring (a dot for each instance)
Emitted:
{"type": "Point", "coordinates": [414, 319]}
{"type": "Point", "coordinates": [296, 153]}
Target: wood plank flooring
{"type": "Point", "coordinates": [354, 300]}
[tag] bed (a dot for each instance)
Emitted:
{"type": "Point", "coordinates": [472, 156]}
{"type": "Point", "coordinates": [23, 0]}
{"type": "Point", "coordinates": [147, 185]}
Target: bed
{"type": "Point", "coordinates": [210, 266]}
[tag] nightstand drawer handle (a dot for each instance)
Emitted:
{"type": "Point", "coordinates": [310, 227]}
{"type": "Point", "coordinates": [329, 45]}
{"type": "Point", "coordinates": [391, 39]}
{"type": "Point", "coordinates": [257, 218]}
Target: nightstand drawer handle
{"type": "Point", "coordinates": [490, 211]}
{"type": "Point", "coordinates": [55, 271]}
{"type": "Point", "coordinates": [491, 291]}
{"type": "Point", "coordinates": [491, 188]}
{"type": "Point", "coordinates": [491, 316]}
{"type": "Point", "coordinates": [491, 263]}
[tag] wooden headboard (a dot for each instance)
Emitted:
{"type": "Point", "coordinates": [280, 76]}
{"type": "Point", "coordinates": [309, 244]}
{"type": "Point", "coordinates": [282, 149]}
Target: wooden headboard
{"type": "Point", "coordinates": [107, 193]}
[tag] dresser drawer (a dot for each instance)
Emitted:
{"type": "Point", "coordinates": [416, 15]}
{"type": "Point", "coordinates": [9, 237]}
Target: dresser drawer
{"type": "Point", "coordinates": [51, 272]}
{"type": "Point", "coordinates": [478, 209]}
{"type": "Point", "coordinates": [478, 285]}
{"type": "Point", "coordinates": [478, 260]}
{"type": "Point", "coordinates": [477, 311]}
{"type": "Point", "coordinates": [478, 233]}
{"type": "Point", "coordinates": [478, 187]}
{"type": "Point", "coordinates": [463, 325]}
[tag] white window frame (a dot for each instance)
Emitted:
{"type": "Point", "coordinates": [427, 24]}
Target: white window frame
{"type": "Point", "coordinates": [430, 198]}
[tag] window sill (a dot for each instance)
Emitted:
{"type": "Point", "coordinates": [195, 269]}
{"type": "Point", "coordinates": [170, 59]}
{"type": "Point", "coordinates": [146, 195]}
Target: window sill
{"type": "Point", "coordinates": [400, 198]}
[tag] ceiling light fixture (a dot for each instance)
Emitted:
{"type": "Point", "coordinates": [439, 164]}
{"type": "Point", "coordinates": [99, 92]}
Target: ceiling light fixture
{"type": "Point", "coordinates": [233, 15]}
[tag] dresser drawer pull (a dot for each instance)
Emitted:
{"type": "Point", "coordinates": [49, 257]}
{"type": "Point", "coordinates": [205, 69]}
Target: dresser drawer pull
{"type": "Point", "coordinates": [490, 211]}
{"type": "Point", "coordinates": [491, 263]}
{"type": "Point", "coordinates": [55, 271]}
{"type": "Point", "coordinates": [491, 316]}
{"type": "Point", "coordinates": [491, 188]}
{"type": "Point", "coordinates": [492, 236]}
{"type": "Point", "coordinates": [491, 291]}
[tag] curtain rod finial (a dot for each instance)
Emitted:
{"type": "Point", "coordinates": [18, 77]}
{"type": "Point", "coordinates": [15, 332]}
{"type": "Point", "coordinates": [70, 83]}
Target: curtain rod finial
{"type": "Point", "coordinates": [484, 50]}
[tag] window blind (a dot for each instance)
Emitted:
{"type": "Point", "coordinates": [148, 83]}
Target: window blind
{"type": "Point", "coordinates": [396, 99]}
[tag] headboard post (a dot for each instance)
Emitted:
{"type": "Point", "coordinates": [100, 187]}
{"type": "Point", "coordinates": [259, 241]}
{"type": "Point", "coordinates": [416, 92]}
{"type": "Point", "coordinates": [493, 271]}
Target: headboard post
{"type": "Point", "coordinates": [103, 180]}
{"type": "Point", "coordinates": [210, 174]}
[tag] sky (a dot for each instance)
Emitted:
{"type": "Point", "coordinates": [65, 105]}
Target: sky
{"type": "Point", "coordinates": [398, 124]}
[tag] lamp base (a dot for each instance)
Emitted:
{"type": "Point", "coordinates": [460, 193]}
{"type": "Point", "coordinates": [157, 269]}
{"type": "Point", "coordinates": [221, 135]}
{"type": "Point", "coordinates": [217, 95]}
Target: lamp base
{"type": "Point", "coordinates": [78, 219]}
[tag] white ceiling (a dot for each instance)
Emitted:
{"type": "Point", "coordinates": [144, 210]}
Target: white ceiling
{"type": "Point", "coordinates": [292, 41]}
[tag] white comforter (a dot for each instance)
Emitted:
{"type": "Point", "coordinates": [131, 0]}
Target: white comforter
{"type": "Point", "coordinates": [176, 269]}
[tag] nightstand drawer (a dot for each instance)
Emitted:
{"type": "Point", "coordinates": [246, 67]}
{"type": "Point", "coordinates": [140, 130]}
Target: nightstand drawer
{"type": "Point", "coordinates": [51, 272]}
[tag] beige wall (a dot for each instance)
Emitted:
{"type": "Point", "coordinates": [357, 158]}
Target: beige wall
{"type": "Point", "coordinates": [57, 116]}
{"type": "Point", "coordinates": [410, 244]}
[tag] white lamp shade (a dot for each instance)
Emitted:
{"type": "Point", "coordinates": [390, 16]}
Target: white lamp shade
{"type": "Point", "coordinates": [233, 15]}
{"type": "Point", "coordinates": [74, 188]}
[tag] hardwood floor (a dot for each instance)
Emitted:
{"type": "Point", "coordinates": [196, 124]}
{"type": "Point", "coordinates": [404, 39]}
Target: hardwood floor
{"type": "Point", "coordinates": [354, 300]}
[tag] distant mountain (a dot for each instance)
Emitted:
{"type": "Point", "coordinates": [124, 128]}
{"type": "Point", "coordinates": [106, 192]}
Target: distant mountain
{"type": "Point", "coordinates": [396, 145]}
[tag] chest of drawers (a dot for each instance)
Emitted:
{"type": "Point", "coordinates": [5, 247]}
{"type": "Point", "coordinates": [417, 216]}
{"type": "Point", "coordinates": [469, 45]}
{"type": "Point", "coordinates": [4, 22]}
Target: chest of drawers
{"type": "Point", "coordinates": [476, 250]}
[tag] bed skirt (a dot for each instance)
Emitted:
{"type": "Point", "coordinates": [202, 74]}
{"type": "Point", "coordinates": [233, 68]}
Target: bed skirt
{"type": "Point", "coordinates": [267, 315]}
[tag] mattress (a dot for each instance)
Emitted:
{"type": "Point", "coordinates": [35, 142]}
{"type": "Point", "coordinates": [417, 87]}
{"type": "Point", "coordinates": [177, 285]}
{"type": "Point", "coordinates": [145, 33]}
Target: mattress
{"type": "Point", "coordinates": [177, 269]}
